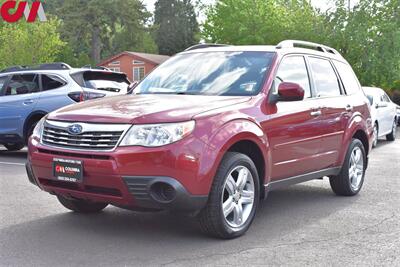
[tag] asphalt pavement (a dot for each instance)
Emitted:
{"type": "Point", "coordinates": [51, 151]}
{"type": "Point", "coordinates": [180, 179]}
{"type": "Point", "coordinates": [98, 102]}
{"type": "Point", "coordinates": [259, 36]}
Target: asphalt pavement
{"type": "Point", "coordinates": [301, 225]}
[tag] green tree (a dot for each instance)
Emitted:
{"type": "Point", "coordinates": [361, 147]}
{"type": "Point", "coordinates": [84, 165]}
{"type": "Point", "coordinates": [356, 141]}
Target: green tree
{"type": "Point", "coordinates": [101, 28]}
{"type": "Point", "coordinates": [368, 36]}
{"type": "Point", "coordinates": [25, 43]}
{"type": "Point", "coordinates": [260, 21]}
{"type": "Point", "coordinates": [176, 24]}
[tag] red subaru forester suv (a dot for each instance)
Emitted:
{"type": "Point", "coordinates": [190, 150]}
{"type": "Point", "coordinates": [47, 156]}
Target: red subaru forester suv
{"type": "Point", "coordinates": [211, 131]}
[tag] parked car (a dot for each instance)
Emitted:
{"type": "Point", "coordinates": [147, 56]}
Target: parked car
{"type": "Point", "coordinates": [211, 131]}
{"type": "Point", "coordinates": [27, 94]}
{"type": "Point", "coordinates": [398, 114]}
{"type": "Point", "coordinates": [383, 114]}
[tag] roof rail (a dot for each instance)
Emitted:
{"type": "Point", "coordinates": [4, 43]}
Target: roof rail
{"type": "Point", "coordinates": [297, 43]}
{"type": "Point", "coordinates": [46, 66]}
{"type": "Point", "coordinates": [199, 46]}
{"type": "Point", "coordinates": [54, 66]}
{"type": "Point", "coordinates": [13, 69]}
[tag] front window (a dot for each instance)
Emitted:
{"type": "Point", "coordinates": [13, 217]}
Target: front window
{"type": "Point", "coordinates": [211, 73]}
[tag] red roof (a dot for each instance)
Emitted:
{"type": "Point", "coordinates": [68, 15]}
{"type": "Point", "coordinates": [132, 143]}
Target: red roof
{"type": "Point", "coordinates": [152, 58]}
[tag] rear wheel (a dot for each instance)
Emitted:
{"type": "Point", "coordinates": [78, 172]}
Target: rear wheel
{"type": "Point", "coordinates": [376, 135]}
{"type": "Point", "coordinates": [81, 206]}
{"type": "Point", "coordinates": [392, 135]}
{"type": "Point", "coordinates": [233, 199]}
{"type": "Point", "coordinates": [351, 177]}
{"type": "Point", "coordinates": [14, 147]}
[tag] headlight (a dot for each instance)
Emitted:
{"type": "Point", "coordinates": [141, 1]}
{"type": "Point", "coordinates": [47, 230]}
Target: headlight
{"type": "Point", "coordinates": [37, 131]}
{"type": "Point", "coordinates": [153, 135]}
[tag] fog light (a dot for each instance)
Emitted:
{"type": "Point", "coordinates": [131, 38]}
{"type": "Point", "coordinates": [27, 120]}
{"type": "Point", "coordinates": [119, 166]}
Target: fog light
{"type": "Point", "coordinates": [162, 192]}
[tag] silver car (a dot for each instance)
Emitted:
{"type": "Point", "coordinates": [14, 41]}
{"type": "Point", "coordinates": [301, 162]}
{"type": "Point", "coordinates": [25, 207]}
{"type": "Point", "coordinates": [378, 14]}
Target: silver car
{"type": "Point", "coordinates": [383, 114]}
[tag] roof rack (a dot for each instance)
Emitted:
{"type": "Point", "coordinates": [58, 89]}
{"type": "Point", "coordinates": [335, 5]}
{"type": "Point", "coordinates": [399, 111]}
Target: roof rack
{"type": "Point", "coordinates": [13, 69]}
{"type": "Point", "coordinates": [304, 44]}
{"type": "Point", "coordinates": [46, 66]}
{"type": "Point", "coordinates": [199, 46]}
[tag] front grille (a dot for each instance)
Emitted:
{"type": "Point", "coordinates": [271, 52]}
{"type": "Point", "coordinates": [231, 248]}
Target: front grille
{"type": "Point", "coordinates": [93, 136]}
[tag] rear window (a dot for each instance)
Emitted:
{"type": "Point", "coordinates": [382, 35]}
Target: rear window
{"type": "Point", "coordinates": [103, 81]}
{"type": "Point", "coordinates": [325, 79]}
{"type": "Point", "coordinates": [349, 79]}
{"type": "Point", "coordinates": [50, 82]}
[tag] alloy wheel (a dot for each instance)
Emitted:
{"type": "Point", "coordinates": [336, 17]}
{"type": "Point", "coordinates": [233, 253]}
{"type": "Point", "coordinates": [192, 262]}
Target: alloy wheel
{"type": "Point", "coordinates": [375, 142]}
{"type": "Point", "coordinates": [238, 197]}
{"type": "Point", "coordinates": [356, 168]}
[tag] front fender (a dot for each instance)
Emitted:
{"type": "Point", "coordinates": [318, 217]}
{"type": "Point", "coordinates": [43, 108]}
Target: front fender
{"type": "Point", "coordinates": [225, 137]}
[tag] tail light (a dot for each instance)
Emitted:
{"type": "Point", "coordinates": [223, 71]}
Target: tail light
{"type": "Point", "coordinates": [83, 96]}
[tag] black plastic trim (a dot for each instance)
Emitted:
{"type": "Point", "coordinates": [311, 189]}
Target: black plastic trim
{"type": "Point", "coordinates": [31, 176]}
{"type": "Point", "coordinates": [301, 178]}
{"type": "Point", "coordinates": [140, 188]}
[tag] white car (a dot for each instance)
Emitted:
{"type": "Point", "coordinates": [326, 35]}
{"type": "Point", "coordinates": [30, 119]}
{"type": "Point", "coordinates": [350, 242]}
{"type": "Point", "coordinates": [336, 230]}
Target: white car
{"type": "Point", "coordinates": [383, 114]}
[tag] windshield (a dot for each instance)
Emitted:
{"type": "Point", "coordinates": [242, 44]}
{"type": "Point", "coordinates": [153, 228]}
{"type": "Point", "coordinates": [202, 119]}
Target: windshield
{"type": "Point", "coordinates": [211, 73]}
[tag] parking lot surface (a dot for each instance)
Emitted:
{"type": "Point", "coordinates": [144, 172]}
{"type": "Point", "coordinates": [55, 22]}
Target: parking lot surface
{"type": "Point", "coordinates": [301, 225]}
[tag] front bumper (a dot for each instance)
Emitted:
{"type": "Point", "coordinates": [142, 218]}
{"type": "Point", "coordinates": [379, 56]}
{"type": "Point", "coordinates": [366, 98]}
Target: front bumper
{"type": "Point", "coordinates": [132, 178]}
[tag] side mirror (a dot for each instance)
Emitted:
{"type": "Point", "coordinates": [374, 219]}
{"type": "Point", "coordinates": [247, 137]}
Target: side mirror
{"type": "Point", "coordinates": [132, 86]}
{"type": "Point", "coordinates": [290, 92]}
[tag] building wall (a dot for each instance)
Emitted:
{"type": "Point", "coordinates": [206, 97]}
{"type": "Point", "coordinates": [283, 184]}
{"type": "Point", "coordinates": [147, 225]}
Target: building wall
{"type": "Point", "coordinates": [126, 65]}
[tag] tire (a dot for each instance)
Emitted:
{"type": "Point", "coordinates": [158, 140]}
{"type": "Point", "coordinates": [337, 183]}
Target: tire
{"type": "Point", "coordinates": [239, 199]}
{"type": "Point", "coordinates": [14, 147]}
{"type": "Point", "coordinates": [392, 135]}
{"type": "Point", "coordinates": [376, 135]}
{"type": "Point", "coordinates": [345, 184]}
{"type": "Point", "coordinates": [81, 206]}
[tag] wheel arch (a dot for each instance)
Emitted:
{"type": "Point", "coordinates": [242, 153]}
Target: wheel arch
{"type": "Point", "coordinates": [33, 117]}
{"type": "Point", "coordinates": [359, 128]}
{"type": "Point", "coordinates": [245, 137]}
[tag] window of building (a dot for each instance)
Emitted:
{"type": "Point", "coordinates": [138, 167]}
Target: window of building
{"type": "Point", "coordinates": [23, 84]}
{"type": "Point", "coordinates": [137, 62]}
{"type": "Point", "coordinates": [115, 63]}
{"type": "Point", "coordinates": [116, 69]}
{"type": "Point", "coordinates": [325, 80]}
{"type": "Point", "coordinates": [293, 69]}
{"type": "Point", "coordinates": [138, 73]}
{"type": "Point", "coordinates": [50, 82]}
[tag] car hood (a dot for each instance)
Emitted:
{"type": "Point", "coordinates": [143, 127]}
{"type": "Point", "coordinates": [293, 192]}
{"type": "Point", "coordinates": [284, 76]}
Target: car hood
{"type": "Point", "coordinates": [143, 108]}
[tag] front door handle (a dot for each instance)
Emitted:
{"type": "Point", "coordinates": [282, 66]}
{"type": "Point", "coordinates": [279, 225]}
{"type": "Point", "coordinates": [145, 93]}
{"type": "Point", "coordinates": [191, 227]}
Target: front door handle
{"type": "Point", "coordinates": [349, 108]}
{"type": "Point", "coordinates": [316, 113]}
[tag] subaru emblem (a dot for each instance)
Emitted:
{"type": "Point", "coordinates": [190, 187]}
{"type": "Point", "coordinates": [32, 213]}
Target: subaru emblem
{"type": "Point", "coordinates": [75, 129]}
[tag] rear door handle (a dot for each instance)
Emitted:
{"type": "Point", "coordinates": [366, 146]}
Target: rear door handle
{"type": "Point", "coordinates": [28, 102]}
{"type": "Point", "coordinates": [316, 113]}
{"type": "Point", "coordinates": [349, 108]}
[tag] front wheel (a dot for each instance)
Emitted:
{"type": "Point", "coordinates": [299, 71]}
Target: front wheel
{"type": "Point", "coordinates": [233, 199]}
{"type": "Point", "coordinates": [392, 135]}
{"type": "Point", "coordinates": [351, 177]}
{"type": "Point", "coordinates": [81, 206]}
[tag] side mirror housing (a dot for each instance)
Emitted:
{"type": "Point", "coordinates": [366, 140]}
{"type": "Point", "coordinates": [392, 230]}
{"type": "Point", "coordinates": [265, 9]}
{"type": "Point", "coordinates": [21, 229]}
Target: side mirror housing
{"type": "Point", "coordinates": [290, 92]}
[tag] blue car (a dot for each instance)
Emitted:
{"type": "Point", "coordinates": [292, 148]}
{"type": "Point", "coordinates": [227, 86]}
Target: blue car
{"type": "Point", "coordinates": [28, 94]}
